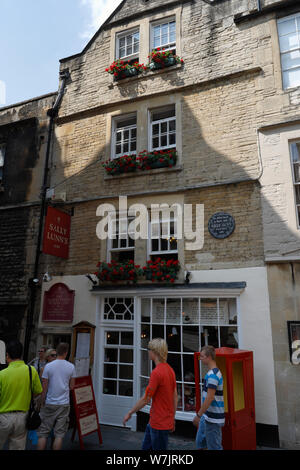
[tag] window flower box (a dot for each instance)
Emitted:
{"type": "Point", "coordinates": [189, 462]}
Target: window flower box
{"type": "Point", "coordinates": [144, 161]}
{"type": "Point", "coordinates": [124, 164]}
{"type": "Point", "coordinates": [157, 159]}
{"type": "Point", "coordinates": [161, 270]}
{"type": "Point", "coordinates": [159, 59]}
{"type": "Point", "coordinates": [120, 69]}
{"type": "Point", "coordinates": [115, 271]}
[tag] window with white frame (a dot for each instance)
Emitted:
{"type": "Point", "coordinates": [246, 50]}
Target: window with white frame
{"type": "Point", "coordinates": [163, 128]}
{"type": "Point", "coordinates": [127, 45]}
{"type": "Point", "coordinates": [187, 324]}
{"type": "Point", "coordinates": [123, 136]}
{"type": "Point", "coordinates": [295, 157]}
{"type": "Point", "coordinates": [163, 35]}
{"type": "Point", "coordinates": [121, 245]}
{"type": "Point", "coordinates": [289, 40]}
{"type": "Point", "coordinates": [163, 235]}
{"type": "Point", "coordinates": [2, 156]}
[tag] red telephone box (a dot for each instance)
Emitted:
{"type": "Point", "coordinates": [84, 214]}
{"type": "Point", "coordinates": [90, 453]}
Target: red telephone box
{"type": "Point", "coordinates": [236, 366]}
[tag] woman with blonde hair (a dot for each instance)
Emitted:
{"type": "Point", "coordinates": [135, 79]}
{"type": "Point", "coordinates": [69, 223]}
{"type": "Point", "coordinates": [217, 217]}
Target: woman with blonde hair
{"type": "Point", "coordinates": [162, 391]}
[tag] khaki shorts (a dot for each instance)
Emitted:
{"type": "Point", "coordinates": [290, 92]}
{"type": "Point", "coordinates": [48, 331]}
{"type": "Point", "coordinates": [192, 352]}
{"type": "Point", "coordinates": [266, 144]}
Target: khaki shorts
{"type": "Point", "coordinates": [13, 429]}
{"type": "Point", "coordinates": [54, 417]}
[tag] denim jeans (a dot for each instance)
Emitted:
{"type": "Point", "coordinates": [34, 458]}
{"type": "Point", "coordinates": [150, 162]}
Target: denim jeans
{"type": "Point", "coordinates": [155, 439]}
{"type": "Point", "coordinates": [209, 435]}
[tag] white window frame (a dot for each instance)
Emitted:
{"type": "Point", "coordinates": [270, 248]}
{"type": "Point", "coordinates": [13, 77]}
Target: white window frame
{"type": "Point", "coordinates": [127, 34]}
{"type": "Point", "coordinates": [2, 160]}
{"type": "Point", "coordinates": [181, 414]}
{"type": "Point", "coordinates": [295, 183]}
{"type": "Point", "coordinates": [288, 51]}
{"type": "Point", "coordinates": [129, 128]}
{"type": "Point", "coordinates": [169, 45]}
{"type": "Point", "coordinates": [160, 134]}
{"type": "Point", "coordinates": [123, 235]}
{"type": "Point", "coordinates": [161, 221]}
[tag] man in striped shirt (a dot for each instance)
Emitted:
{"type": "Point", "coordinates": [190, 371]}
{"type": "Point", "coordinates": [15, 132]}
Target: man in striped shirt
{"type": "Point", "coordinates": [210, 418]}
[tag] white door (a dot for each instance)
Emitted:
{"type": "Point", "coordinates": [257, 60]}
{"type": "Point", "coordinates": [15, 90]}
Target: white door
{"type": "Point", "coordinates": [116, 378]}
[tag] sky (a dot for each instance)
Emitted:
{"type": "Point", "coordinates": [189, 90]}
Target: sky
{"type": "Point", "coordinates": [36, 34]}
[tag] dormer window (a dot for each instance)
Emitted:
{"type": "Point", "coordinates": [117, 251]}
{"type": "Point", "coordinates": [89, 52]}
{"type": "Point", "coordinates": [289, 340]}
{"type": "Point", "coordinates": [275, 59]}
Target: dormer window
{"type": "Point", "coordinates": [127, 45]}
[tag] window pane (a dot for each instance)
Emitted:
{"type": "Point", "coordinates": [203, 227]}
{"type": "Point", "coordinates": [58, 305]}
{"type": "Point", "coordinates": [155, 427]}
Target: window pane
{"type": "Point", "coordinates": [122, 42]}
{"type": "Point", "coordinates": [126, 372]}
{"type": "Point", "coordinates": [229, 336]}
{"type": "Point", "coordinates": [158, 309]}
{"type": "Point", "coordinates": [145, 363]}
{"type": "Point", "coordinates": [118, 149]}
{"type": "Point", "coordinates": [286, 27]}
{"type": "Point", "coordinates": [164, 127]}
{"type": "Point", "coordinates": [145, 335]}
{"type": "Point", "coordinates": [118, 136]}
{"type": "Point", "coordinates": [190, 311]}
{"type": "Point", "coordinates": [126, 389]}
{"type": "Point", "coordinates": [189, 398]}
{"type": "Point", "coordinates": [126, 356]}
{"type": "Point", "coordinates": [209, 336]}
{"type": "Point", "coordinates": [291, 78]}
{"type": "Point", "coordinates": [155, 129]}
{"type": "Point", "coordinates": [127, 337]}
{"type": "Point", "coordinates": [297, 192]}
{"type": "Point", "coordinates": [172, 125]}
{"type": "Point", "coordinates": [227, 311]}
{"type": "Point", "coordinates": [174, 311]}
{"type": "Point", "coordinates": [110, 387]}
{"type": "Point", "coordinates": [288, 42]}
{"type": "Point", "coordinates": [122, 52]}
{"type": "Point", "coordinates": [190, 338]}
{"type": "Point", "coordinates": [110, 371]}
{"type": "Point", "coordinates": [146, 307]}
{"type": "Point", "coordinates": [172, 139]}
{"type": "Point", "coordinates": [175, 362]}
{"type": "Point", "coordinates": [112, 337]}
{"type": "Point", "coordinates": [111, 355]}
{"type": "Point", "coordinates": [158, 331]}
{"type": "Point", "coordinates": [174, 338]}
{"type": "Point", "coordinates": [209, 312]}
{"type": "Point", "coordinates": [297, 173]}
{"type": "Point", "coordinates": [155, 143]}
{"type": "Point", "coordinates": [164, 141]}
{"type": "Point", "coordinates": [291, 60]}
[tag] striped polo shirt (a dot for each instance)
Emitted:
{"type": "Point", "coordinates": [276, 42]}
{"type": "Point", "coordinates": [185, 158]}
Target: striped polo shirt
{"type": "Point", "coordinates": [215, 412]}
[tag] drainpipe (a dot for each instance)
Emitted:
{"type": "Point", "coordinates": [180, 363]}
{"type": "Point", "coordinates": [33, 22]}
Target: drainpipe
{"type": "Point", "coordinates": [34, 281]}
{"type": "Point", "coordinates": [258, 5]}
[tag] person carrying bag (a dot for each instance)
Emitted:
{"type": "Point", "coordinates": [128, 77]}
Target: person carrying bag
{"type": "Point", "coordinates": [33, 420]}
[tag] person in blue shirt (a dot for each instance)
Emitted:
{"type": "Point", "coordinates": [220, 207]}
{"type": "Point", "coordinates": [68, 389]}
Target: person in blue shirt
{"type": "Point", "coordinates": [211, 417]}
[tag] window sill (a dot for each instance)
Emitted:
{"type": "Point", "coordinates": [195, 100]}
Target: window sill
{"type": "Point", "coordinates": [155, 171]}
{"type": "Point", "coordinates": [145, 76]}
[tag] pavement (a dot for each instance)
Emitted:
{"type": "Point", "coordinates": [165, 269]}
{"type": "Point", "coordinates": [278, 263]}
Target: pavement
{"type": "Point", "coordinates": [123, 439]}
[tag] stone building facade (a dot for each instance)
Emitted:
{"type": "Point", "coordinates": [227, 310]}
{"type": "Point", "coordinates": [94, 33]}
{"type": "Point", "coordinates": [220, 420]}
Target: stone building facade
{"type": "Point", "coordinates": [23, 138]}
{"type": "Point", "coordinates": [232, 111]}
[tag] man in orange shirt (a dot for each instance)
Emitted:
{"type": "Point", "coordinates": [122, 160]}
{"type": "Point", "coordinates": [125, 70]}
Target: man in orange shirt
{"type": "Point", "coordinates": [162, 391]}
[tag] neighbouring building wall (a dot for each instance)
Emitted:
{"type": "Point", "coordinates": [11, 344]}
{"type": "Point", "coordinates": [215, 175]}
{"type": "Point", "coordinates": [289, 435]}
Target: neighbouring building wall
{"type": "Point", "coordinates": [284, 290]}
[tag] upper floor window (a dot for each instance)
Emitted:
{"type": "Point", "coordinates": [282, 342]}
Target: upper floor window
{"type": "Point", "coordinates": [163, 128]}
{"type": "Point", "coordinates": [121, 245]}
{"type": "Point", "coordinates": [163, 35]}
{"type": "Point", "coordinates": [163, 235]}
{"type": "Point", "coordinates": [295, 156]}
{"type": "Point", "coordinates": [2, 155]}
{"type": "Point", "coordinates": [289, 40]}
{"type": "Point", "coordinates": [124, 136]}
{"type": "Point", "coordinates": [127, 46]}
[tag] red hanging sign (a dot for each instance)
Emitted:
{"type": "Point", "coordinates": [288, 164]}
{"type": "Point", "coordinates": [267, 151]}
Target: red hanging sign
{"type": "Point", "coordinates": [57, 233]}
{"type": "Point", "coordinates": [86, 414]}
{"type": "Point", "coordinates": [58, 303]}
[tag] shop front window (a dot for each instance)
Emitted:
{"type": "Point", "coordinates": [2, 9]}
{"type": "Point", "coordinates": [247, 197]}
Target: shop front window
{"type": "Point", "coordinates": [186, 324]}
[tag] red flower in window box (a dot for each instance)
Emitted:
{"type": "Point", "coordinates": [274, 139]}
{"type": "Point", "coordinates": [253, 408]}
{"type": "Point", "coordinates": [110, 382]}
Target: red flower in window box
{"type": "Point", "coordinates": [161, 270]}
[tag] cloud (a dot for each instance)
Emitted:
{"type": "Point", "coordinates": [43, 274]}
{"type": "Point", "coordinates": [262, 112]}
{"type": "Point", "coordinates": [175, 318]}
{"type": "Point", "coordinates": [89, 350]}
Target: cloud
{"type": "Point", "coordinates": [99, 11]}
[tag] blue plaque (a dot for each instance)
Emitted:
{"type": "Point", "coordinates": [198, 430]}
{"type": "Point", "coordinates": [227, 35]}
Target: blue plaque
{"type": "Point", "coordinates": [221, 225]}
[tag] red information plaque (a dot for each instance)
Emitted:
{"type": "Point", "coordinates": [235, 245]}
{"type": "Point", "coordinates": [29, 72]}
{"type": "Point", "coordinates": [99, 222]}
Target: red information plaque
{"type": "Point", "coordinates": [58, 303]}
{"type": "Point", "coordinates": [85, 409]}
{"type": "Point", "coordinates": [57, 233]}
